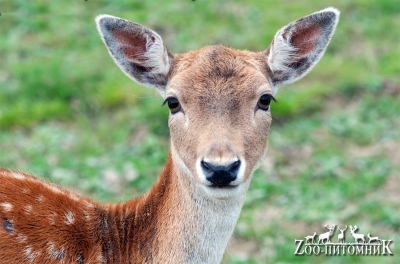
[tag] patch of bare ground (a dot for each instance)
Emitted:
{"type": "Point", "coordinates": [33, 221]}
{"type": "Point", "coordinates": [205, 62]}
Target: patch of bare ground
{"type": "Point", "coordinates": [139, 135]}
{"type": "Point", "coordinates": [365, 151]}
{"type": "Point", "coordinates": [390, 191]}
{"type": "Point", "coordinates": [294, 158]}
{"type": "Point", "coordinates": [390, 149]}
{"type": "Point", "coordinates": [116, 181]}
{"type": "Point", "coordinates": [390, 87]}
{"type": "Point", "coordinates": [393, 152]}
{"type": "Point", "coordinates": [335, 102]}
{"type": "Point", "coordinates": [302, 229]}
{"type": "Point", "coordinates": [242, 248]}
{"type": "Point", "coordinates": [265, 217]}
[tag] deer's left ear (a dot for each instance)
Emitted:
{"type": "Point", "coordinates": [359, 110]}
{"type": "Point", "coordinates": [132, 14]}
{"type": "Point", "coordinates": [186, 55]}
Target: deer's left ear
{"type": "Point", "coordinates": [297, 47]}
{"type": "Point", "coordinates": [137, 50]}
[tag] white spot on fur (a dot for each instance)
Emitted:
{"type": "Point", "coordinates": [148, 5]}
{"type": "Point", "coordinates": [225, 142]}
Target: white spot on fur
{"type": "Point", "coordinates": [28, 209]}
{"type": "Point", "coordinates": [17, 175]}
{"type": "Point", "coordinates": [100, 258]}
{"type": "Point", "coordinates": [50, 247]}
{"type": "Point", "coordinates": [27, 250]}
{"type": "Point", "coordinates": [31, 256]}
{"type": "Point", "coordinates": [54, 254]}
{"type": "Point", "coordinates": [21, 239]}
{"type": "Point", "coordinates": [69, 218]}
{"type": "Point", "coordinates": [73, 196]}
{"type": "Point", "coordinates": [62, 254]}
{"type": "Point", "coordinates": [88, 205]}
{"type": "Point", "coordinates": [52, 217]}
{"type": "Point", "coordinates": [40, 198]}
{"type": "Point", "coordinates": [53, 188]}
{"type": "Point", "coordinates": [87, 216]}
{"type": "Point", "coordinates": [25, 190]}
{"type": "Point", "coordinates": [6, 206]}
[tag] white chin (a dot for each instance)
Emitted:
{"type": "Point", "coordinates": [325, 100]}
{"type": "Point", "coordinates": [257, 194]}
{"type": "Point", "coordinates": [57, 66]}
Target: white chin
{"type": "Point", "coordinates": [225, 192]}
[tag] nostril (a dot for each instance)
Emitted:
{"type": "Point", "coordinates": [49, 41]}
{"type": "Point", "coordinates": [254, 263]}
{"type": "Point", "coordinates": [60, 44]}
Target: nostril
{"type": "Point", "coordinates": [235, 165]}
{"type": "Point", "coordinates": [206, 166]}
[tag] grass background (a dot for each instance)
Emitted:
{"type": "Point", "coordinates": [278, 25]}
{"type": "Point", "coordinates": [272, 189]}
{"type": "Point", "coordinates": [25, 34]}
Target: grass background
{"type": "Point", "coordinates": [68, 114]}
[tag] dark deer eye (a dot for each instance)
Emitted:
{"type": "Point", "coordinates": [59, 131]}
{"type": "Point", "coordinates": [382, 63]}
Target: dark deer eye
{"type": "Point", "coordinates": [173, 104]}
{"type": "Point", "coordinates": [264, 101]}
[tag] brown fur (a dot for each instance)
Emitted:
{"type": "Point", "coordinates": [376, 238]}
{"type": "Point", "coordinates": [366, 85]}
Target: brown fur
{"type": "Point", "coordinates": [224, 83]}
{"type": "Point", "coordinates": [111, 233]}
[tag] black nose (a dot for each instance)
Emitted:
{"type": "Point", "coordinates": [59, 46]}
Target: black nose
{"type": "Point", "coordinates": [220, 175]}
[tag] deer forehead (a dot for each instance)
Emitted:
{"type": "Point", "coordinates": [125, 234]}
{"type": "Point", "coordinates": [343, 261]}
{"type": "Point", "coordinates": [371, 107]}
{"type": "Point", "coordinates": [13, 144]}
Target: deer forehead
{"type": "Point", "coordinates": [218, 73]}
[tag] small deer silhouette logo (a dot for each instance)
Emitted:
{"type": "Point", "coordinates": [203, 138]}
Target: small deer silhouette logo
{"type": "Point", "coordinates": [311, 238]}
{"type": "Point", "coordinates": [356, 236]}
{"type": "Point", "coordinates": [341, 235]}
{"type": "Point", "coordinates": [327, 236]}
{"type": "Point", "coordinates": [374, 239]}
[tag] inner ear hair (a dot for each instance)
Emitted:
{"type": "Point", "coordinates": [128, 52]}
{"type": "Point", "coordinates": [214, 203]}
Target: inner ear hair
{"type": "Point", "coordinates": [297, 47]}
{"type": "Point", "coordinates": [137, 50]}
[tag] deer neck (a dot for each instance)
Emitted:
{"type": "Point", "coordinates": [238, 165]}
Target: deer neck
{"type": "Point", "coordinates": [180, 223]}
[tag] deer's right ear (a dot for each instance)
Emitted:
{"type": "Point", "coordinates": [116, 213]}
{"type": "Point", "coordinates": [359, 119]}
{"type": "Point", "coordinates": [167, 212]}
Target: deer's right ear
{"type": "Point", "coordinates": [137, 50]}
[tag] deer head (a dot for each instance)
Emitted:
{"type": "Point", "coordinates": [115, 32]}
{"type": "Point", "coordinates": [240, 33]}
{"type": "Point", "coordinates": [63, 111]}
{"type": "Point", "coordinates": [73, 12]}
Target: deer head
{"type": "Point", "coordinates": [219, 98]}
{"type": "Point", "coordinates": [353, 229]}
{"type": "Point", "coordinates": [330, 227]}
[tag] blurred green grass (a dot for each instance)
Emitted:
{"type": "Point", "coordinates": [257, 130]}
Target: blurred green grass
{"type": "Point", "coordinates": [68, 114]}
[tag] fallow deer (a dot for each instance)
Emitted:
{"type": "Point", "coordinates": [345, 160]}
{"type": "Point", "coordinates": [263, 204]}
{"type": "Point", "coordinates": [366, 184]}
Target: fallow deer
{"type": "Point", "coordinates": [311, 239]}
{"type": "Point", "coordinates": [373, 239]}
{"type": "Point", "coordinates": [219, 100]}
{"type": "Point", "coordinates": [356, 236]}
{"type": "Point", "coordinates": [341, 236]}
{"type": "Point", "coordinates": [327, 236]}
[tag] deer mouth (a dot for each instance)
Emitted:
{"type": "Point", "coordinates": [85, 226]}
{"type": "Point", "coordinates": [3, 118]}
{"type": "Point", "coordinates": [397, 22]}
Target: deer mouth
{"type": "Point", "coordinates": [225, 187]}
{"type": "Point", "coordinates": [223, 191]}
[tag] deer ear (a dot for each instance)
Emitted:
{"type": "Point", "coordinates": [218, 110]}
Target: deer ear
{"type": "Point", "coordinates": [137, 50]}
{"type": "Point", "coordinates": [297, 47]}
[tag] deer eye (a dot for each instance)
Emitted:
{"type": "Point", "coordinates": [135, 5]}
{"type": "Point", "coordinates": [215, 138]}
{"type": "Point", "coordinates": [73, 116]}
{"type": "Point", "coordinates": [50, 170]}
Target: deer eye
{"type": "Point", "coordinates": [173, 104]}
{"type": "Point", "coordinates": [264, 102]}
